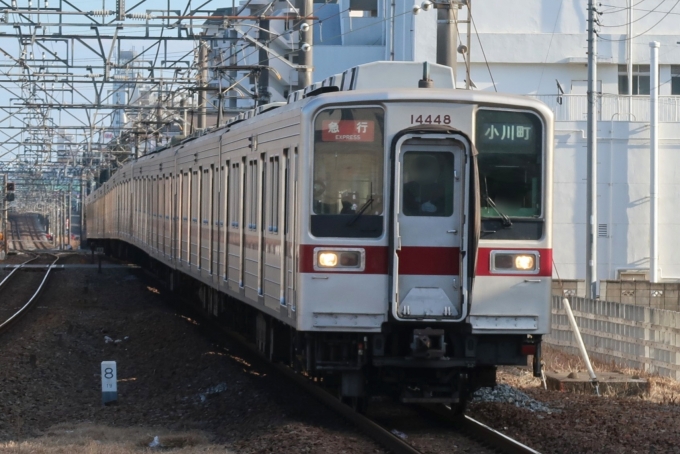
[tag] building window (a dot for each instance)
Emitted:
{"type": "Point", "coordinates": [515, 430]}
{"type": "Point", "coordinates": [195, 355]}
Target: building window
{"type": "Point", "coordinates": [675, 79]}
{"type": "Point", "coordinates": [640, 80]}
{"type": "Point", "coordinates": [363, 8]}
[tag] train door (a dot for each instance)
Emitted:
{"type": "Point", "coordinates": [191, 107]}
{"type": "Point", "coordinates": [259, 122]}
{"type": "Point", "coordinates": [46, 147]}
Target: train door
{"type": "Point", "coordinates": [194, 236]}
{"type": "Point", "coordinates": [235, 237]}
{"type": "Point", "coordinates": [185, 221]}
{"type": "Point", "coordinates": [205, 220]}
{"type": "Point", "coordinates": [216, 227]}
{"type": "Point", "coordinates": [226, 216]}
{"type": "Point", "coordinates": [290, 229]}
{"type": "Point", "coordinates": [428, 228]}
{"type": "Point", "coordinates": [250, 262]}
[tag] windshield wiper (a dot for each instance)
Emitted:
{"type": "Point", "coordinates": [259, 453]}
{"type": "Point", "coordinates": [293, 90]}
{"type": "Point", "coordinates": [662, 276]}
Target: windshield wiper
{"type": "Point", "coordinates": [506, 220]}
{"type": "Point", "coordinates": [489, 201]}
{"type": "Point", "coordinates": [361, 211]}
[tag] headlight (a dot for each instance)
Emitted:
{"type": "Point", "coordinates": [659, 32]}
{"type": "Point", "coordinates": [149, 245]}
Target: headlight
{"type": "Point", "coordinates": [510, 262]}
{"type": "Point", "coordinates": [525, 262]}
{"type": "Point", "coordinates": [328, 259]}
{"type": "Point", "coordinates": [339, 259]}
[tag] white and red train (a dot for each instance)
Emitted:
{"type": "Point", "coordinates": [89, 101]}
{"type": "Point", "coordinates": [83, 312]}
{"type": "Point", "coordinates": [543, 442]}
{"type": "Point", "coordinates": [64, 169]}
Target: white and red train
{"type": "Point", "coordinates": [370, 231]}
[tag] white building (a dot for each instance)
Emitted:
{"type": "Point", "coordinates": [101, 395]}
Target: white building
{"type": "Point", "coordinates": [534, 48]}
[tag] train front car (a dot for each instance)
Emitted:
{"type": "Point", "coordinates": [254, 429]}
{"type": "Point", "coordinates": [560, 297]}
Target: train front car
{"type": "Point", "coordinates": [425, 257]}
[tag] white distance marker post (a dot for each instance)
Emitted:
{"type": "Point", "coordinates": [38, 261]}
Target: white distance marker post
{"type": "Point", "coordinates": [109, 382]}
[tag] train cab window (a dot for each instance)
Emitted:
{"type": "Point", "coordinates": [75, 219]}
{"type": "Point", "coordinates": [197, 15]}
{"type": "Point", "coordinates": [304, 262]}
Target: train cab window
{"type": "Point", "coordinates": [510, 160]}
{"type": "Point", "coordinates": [349, 155]}
{"type": "Point", "coordinates": [427, 184]}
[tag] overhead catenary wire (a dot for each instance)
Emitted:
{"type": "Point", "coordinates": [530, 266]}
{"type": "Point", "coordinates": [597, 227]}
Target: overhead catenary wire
{"type": "Point", "coordinates": [483, 53]}
{"type": "Point", "coordinates": [547, 53]}
{"type": "Point", "coordinates": [617, 8]}
{"type": "Point", "coordinates": [633, 21]}
{"type": "Point", "coordinates": [667, 13]}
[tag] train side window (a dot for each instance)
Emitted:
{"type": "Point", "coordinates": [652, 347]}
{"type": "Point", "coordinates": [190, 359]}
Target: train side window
{"type": "Point", "coordinates": [274, 196]}
{"type": "Point", "coordinates": [264, 189]}
{"type": "Point", "coordinates": [251, 196]}
{"type": "Point", "coordinates": [427, 184]}
{"type": "Point", "coordinates": [235, 189]}
{"type": "Point", "coordinates": [286, 189]}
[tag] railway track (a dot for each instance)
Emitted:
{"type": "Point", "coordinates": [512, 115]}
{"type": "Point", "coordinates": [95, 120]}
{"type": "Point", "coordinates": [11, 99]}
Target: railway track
{"type": "Point", "coordinates": [25, 233]}
{"type": "Point", "coordinates": [483, 438]}
{"type": "Point", "coordinates": [20, 289]}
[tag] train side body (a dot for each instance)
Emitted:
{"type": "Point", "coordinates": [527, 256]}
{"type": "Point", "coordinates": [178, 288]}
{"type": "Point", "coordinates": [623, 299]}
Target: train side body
{"type": "Point", "coordinates": [370, 224]}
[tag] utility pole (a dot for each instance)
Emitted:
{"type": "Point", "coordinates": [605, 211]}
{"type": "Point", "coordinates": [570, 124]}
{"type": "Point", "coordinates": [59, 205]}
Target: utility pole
{"type": "Point", "coordinates": [203, 84]}
{"type": "Point", "coordinates": [3, 213]}
{"type": "Point", "coordinates": [654, 275]}
{"type": "Point", "coordinates": [447, 29]}
{"type": "Point", "coordinates": [70, 214]}
{"type": "Point", "coordinates": [591, 203]}
{"type": "Point", "coordinates": [263, 77]}
{"type": "Point", "coordinates": [306, 53]}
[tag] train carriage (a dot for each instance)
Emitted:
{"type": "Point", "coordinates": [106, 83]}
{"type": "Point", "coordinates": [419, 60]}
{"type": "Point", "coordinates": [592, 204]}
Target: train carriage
{"type": "Point", "coordinates": [381, 229]}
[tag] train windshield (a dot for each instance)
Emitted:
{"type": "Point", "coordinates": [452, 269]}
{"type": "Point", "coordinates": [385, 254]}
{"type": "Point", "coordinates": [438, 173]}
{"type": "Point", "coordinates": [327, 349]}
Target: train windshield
{"type": "Point", "coordinates": [510, 146]}
{"type": "Point", "coordinates": [348, 173]}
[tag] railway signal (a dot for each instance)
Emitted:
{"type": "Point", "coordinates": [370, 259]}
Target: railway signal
{"type": "Point", "coordinates": [9, 192]}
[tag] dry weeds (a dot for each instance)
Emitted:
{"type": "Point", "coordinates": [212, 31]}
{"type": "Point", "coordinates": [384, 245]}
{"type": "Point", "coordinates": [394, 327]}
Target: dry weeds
{"type": "Point", "coordinates": [663, 390]}
{"type": "Point", "coordinates": [98, 439]}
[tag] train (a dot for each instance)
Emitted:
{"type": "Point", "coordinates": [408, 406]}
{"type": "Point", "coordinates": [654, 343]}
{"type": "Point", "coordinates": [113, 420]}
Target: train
{"type": "Point", "coordinates": [380, 231]}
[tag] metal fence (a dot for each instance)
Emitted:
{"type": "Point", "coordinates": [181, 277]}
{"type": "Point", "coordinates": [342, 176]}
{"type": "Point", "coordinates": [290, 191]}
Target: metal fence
{"type": "Point", "coordinates": [611, 107]}
{"type": "Point", "coordinates": [639, 337]}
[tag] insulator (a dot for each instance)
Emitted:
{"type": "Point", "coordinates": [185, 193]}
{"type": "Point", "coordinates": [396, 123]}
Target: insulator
{"type": "Point", "coordinates": [100, 12]}
{"type": "Point", "coordinates": [139, 16]}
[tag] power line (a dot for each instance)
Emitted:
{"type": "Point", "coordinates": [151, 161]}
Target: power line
{"type": "Point", "coordinates": [633, 21]}
{"type": "Point", "coordinates": [482, 48]}
{"type": "Point", "coordinates": [552, 35]}
{"type": "Point", "coordinates": [646, 31]}
{"type": "Point", "coordinates": [621, 8]}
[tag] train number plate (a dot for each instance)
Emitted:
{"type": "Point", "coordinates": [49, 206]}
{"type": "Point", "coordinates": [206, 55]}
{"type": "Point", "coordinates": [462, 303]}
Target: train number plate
{"type": "Point", "coordinates": [433, 119]}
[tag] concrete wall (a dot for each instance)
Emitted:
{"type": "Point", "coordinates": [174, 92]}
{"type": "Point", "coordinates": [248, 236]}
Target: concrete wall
{"type": "Point", "coordinates": [638, 337]}
{"type": "Point", "coordinates": [623, 199]}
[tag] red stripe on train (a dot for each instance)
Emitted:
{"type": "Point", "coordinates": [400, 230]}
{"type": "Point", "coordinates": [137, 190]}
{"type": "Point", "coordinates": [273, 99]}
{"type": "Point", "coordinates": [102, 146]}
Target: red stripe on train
{"type": "Point", "coordinates": [425, 261]}
{"type": "Point", "coordinates": [376, 259]}
{"type": "Point", "coordinates": [429, 261]}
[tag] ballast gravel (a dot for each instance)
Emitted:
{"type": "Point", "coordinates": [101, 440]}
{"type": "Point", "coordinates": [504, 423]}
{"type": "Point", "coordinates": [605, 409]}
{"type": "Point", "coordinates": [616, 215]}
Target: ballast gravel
{"type": "Point", "coordinates": [577, 423]}
{"type": "Point", "coordinates": [504, 393]}
{"type": "Point", "coordinates": [171, 378]}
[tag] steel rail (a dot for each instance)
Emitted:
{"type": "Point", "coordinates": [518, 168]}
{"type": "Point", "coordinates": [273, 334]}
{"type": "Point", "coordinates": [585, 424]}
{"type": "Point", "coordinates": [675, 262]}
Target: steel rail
{"type": "Point", "coordinates": [17, 268]}
{"type": "Point", "coordinates": [480, 431]}
{"type": "Point", "coordinates": [465, 425]}
{"type": "Point", "coordinates": [382, 436]}
{"type": "Point", "coordinates": [22, 311]}
{"type": "Point", "coordinates": [378, 433]}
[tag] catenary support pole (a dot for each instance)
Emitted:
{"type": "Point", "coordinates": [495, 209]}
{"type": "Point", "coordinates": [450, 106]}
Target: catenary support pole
{"type": "Point", "coordinates": [447, 53]}
{"type": "Point", "coordinates": [202, 93]}
{"type": "Point", "coordinates": [629, 58]}
{"type": "Point", "coordinates": [3, 217]}
{"type": "Point", "coordinates": [654, 162]}
{"type": "Point", "coordinates": [305, 73]}
{"type": "Point", "coordinates": [591, 203]}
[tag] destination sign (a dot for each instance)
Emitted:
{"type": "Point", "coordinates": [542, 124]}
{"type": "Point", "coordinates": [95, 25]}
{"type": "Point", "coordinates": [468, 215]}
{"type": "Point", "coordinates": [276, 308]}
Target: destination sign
{"type": "Point", "coordinates": [506, 132]}
{"type": "Point", "coordinates": [348, 130]}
